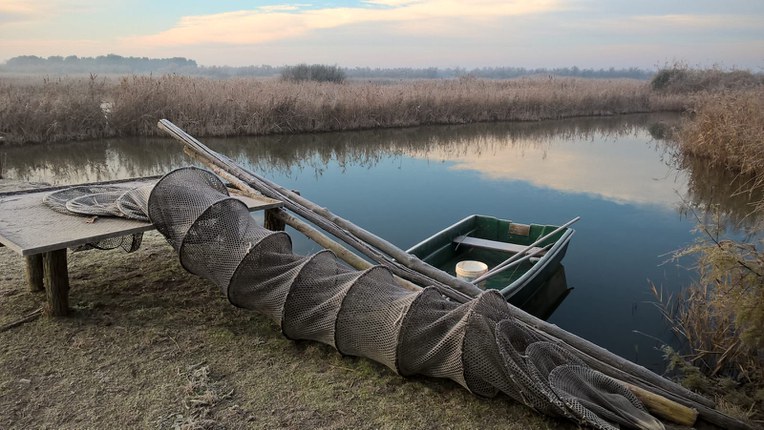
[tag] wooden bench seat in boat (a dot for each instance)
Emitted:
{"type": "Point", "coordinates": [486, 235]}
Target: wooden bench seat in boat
{"type": "Point", "coordinates": [495, 245]}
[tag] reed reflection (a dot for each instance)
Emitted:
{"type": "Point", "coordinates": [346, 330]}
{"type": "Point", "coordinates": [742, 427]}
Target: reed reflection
{"type": "Point", "coordinates": [613, 158]}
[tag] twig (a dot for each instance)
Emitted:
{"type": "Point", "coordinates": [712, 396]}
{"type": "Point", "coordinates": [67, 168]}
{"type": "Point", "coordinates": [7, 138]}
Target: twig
{"type": "Point", "coordinates": [21, 321]}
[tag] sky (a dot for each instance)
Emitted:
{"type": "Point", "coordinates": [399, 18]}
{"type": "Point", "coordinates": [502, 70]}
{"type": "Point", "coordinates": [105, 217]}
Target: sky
{"type": "Point", "coordinates": [395, 33]}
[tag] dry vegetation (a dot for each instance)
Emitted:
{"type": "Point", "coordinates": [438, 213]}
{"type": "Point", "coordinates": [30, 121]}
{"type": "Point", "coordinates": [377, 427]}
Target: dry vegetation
{"type": "Point", "coordinates": [65, 109]}
{"type": "Point", "coordinates": [720, 319]}
{"type": "Point", "coordinates": [150, 346]}
{"type": "Point", "coordinates": [727, 129]}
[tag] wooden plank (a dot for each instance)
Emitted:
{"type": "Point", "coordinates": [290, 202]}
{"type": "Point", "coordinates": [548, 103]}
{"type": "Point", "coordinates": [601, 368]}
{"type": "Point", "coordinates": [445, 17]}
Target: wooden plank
{"type": "Point", "coordinates": [496, 245]}
{"type": "Point", "coordinates": [29, 227]}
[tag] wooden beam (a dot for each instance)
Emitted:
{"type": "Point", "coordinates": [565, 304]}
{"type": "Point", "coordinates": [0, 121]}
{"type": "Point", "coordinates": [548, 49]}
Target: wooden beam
{"type": "Point", "coordinates": [664, 408]}
{"type": "Point", "coordinates": [340, 251]}
{"type": "Point", "coordinates": [57, 280]}
{"type": "Point", "coordinates": [34, 273]}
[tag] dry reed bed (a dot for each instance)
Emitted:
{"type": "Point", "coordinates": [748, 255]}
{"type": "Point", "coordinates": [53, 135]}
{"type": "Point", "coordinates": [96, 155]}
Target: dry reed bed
{"type": "Point", "coordinates": [720, 318]}
{"type": "Point", "coordinates": [72, 108]}
{"type": "Point", "coordinates": [727, 129]}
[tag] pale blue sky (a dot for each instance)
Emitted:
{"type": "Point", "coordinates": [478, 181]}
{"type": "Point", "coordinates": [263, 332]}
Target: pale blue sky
{"type": "Point", "coordinates": [395, 33]}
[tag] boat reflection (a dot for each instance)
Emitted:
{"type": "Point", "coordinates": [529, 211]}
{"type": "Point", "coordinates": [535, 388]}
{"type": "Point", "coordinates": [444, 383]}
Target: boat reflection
{"type": "Point", "coordinates": [547, 297]}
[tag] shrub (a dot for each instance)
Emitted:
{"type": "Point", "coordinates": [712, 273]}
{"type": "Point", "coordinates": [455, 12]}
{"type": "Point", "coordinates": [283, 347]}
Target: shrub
{"type": "Point", "coordinates": [313, 72]}
{"type": "Point", "coordinates": [681, 79]}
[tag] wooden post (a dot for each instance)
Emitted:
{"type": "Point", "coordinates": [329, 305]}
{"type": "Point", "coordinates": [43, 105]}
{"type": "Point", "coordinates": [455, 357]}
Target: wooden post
{"type": "Point", "coordinates": [34, 273]}
{"type": "Point", "coordinates": [272, 221]}
{"type": "Point", "coordinates": [57, 281]}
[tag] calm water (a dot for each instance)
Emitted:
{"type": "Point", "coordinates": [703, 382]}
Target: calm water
{"type": "Point", "coordinates": [407, 184]}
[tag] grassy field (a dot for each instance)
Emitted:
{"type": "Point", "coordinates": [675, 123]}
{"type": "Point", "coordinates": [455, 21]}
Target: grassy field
{"type": "Point", "coordinates": [65, 109]}
{"type": "Point", "coordinates": [150, 346]}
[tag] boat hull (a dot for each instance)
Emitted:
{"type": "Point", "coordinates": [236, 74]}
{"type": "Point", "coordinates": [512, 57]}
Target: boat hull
{"type": "Point", "coordinates": [518, 285]}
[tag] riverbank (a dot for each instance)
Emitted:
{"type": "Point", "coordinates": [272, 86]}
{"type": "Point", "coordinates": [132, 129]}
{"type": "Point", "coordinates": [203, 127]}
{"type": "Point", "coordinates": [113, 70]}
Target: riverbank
{"type": "Point", "coordinates": [151, 346]}
{"type": "Point", "coordinates": [719, 320]}
{"type": "Point", "coordinates": [66, 109]}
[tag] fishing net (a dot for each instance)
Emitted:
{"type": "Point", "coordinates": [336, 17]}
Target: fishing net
{"type": "Point", "coordinates": [106, 201]}
{"type": "Point", "coordinates": [366, 313]}
{"type": "Point", "coordinates": [477, 344]}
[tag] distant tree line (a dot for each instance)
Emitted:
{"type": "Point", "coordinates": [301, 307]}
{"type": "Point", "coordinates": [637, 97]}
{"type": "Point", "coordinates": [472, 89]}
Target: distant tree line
{"type": "Point", "coordinates": [494, 72]}
{"type": "Point", "coordinates": [112, 63]}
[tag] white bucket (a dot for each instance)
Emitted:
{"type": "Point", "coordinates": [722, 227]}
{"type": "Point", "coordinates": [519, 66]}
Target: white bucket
{"type": "Point", "coordinates": [469, 270]}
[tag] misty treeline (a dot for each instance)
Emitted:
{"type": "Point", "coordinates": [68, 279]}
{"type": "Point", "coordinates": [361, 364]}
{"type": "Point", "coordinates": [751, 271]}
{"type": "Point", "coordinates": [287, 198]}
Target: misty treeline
{"type": "Point", "coordinates": [111, 63]}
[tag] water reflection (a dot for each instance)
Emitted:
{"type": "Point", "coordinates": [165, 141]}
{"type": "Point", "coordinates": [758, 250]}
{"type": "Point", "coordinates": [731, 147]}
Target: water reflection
{"type": "Point", "coordinates": [406, 184]}
{"type": "Point", "coordinates": [604, 157]}
{"type": "Point", "coordinates": [712, 192]}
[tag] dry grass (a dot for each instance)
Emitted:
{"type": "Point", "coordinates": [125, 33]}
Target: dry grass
{"type": "Point", "coordinates": [727, 129]}
{"type": "Point", "coordinates": [151, 346]}
{"type": "Point", "coordinates": [69, 109]}
{"type": "Point", "coordinates": [720, 319]}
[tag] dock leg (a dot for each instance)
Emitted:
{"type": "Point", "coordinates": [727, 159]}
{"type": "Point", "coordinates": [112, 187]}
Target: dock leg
{"type": "Point", "coordinates": [272, 222]}
{"type": "Point", "coordinates": [34, 273]}
{"type": "Point", "coordinates": [57, 281]}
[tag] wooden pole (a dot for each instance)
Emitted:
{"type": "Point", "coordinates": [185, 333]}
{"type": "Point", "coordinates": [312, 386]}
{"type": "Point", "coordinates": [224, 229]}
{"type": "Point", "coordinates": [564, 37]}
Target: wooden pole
{"type": "Point", "coordinates": [340, 251]}
{"type": "Point", "coordinates": [57, 280]}
{"type": "Point", "coordinates": [34, 273]}
{"type": "Point", "coordinates": [522, 254]}
{"type": "Point", "coordinates": [342, 234]}
{"type": "Point", "coordinates": [448, 285]}
{"type": "Point", "coordinates": [664, 408]}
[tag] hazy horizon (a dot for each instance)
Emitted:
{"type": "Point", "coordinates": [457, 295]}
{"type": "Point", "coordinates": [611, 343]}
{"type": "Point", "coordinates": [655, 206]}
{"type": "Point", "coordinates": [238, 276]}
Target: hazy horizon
{"type": "Point", "coordinates": [589, 34]}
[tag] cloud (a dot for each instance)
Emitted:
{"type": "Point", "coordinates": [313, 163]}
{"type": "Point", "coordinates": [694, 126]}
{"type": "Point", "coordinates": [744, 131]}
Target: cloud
{"type": "Point", "coordinates": [622, 171]}
{"type": "Point", "coordinates": [20, 11]}
{"type": "Point", "coordinates": [278, 22]}
{"type": "Point", "coordinates": [16, 11]}
{"type": "Point", "coordinates": [701, 22]}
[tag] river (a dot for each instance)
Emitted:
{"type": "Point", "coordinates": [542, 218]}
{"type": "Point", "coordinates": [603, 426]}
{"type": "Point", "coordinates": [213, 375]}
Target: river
{"type": "Point", "coordinates": [636, 201]}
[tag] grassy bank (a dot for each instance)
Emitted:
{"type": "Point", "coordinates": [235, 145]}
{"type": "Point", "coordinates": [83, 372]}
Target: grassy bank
{"type": "Point", "coordinates": [720, 319]}
{"type": "Point", "coordinates": [151, 346]}
{"type": "Point", "coordinates": [64, 109]}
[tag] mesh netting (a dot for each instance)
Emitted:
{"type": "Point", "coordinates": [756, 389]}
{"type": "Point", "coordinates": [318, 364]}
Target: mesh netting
{"type": "Point", "coordinates": [477, 344]}
{"type": "Point", "coordinates": [108, 201]}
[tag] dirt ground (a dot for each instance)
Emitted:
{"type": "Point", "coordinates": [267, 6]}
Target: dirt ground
{"type": "Point", "coordinates": [150, 346]}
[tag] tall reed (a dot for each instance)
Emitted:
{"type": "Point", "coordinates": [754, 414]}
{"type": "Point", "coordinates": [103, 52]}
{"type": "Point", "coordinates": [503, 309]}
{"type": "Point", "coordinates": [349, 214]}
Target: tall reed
{"type": "Point", "coordinates": [727, 129]}
{"type": "Point", "coordinates": [249, 106]}
{"type": "Point", "coordinates": [720, 318]}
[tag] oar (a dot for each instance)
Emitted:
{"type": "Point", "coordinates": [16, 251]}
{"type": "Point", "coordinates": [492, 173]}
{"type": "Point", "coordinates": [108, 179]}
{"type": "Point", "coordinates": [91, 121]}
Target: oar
{"type": "Point", "coordinates": [496, 270]}
{"type": "Point", "coordinates": [520, 254]}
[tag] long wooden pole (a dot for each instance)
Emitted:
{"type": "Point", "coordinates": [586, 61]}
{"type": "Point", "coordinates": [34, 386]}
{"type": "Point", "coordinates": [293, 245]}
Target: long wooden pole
{"type": "Point", "coordinates": [459, 291]}
{"type": "Point", "coordinates": [341, 252]}
{"type": "Point", "coordinates": [643, 377]}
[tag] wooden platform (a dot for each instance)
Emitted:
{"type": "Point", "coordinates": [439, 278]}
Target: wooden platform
{"type": "Point", "coordinates": [33, 230]}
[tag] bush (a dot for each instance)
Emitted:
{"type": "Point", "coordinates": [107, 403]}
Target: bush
{"type": "Point", "coordinates": [681, 79]}
{"type": "Point", "coordinates": [313, 72]}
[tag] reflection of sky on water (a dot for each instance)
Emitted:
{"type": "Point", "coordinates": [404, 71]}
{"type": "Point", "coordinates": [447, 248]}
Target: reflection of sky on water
{"type": "Point", "coordinates": [626, 169]}
{"type": "Point", "coordinates": [406, 184]}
